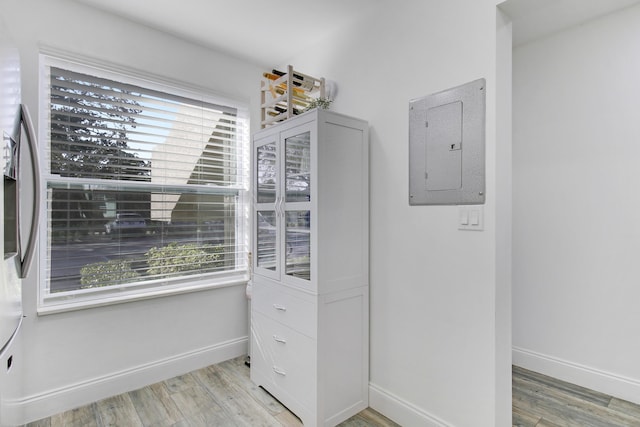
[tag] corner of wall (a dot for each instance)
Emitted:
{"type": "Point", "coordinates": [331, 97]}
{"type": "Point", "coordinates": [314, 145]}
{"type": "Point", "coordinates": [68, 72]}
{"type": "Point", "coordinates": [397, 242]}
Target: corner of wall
{"type": "Point", "coordinates": [606, 382]}
{"type": "Point", "coordinates": [399, 410]}
{"type": "Point", "coordinates": [51, 402]}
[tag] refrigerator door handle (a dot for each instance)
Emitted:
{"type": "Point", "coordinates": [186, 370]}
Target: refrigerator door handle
{"type": "Point", "coordinates": [29, 252]}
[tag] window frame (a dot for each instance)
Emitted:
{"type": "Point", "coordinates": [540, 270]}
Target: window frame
{"type": "Point", "coordinates": [96, 297]}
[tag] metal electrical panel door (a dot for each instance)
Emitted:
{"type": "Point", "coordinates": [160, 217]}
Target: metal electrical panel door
{"type": "Point", "coordinates": [444, 157]}
{"type": "Point", "coordinates": [446, 147]}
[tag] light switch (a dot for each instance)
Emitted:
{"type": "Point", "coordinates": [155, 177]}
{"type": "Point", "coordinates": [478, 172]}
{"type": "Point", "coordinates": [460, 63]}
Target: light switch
{"type": "Point", "coordinates": [464, 217]}
{"type": "Point", "coordinates": [474, 217]}
{"type": "Point", "coordinates": [471, 218]}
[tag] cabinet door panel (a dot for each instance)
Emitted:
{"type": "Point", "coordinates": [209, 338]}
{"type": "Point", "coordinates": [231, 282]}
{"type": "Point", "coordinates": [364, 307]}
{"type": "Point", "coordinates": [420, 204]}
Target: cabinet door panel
{"type": "Point", "coordinates": [266, 173]}
{"type": "Point", "coordinates": [267, 228]}
{"type": "Point", "coordinates": [298, 167]}
{"type": "Point", "coordinates": [298, 244]}
{"type": "Point", "coordinates": [267, 240]}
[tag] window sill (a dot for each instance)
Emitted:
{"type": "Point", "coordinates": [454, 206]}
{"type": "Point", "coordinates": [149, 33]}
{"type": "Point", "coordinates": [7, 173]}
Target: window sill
{"type": "Point", "coordinates": [74, 301]}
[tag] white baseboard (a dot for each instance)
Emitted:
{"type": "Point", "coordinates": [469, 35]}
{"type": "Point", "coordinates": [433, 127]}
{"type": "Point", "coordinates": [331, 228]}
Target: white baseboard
{"type": "Point", "coordinates": [595, 379]}
{"type": "Point", "coordinates": [399, 410]}
{"type": "Point", "coordinates": [51, 402]}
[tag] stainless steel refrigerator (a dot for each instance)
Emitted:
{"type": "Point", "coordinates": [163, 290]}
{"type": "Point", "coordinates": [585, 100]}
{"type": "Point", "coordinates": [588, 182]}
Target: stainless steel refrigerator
{"type": "Point", "coordinates": [19, 212]}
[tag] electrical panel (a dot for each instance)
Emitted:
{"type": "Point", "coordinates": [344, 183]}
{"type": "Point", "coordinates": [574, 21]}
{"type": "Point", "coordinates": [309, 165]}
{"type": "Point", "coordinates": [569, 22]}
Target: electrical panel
{"type": "Point", "coordinates": [446, 147]}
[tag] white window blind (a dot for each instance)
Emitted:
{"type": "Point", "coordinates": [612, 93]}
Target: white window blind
{"type": "Point", "coordinates": [145, 187]}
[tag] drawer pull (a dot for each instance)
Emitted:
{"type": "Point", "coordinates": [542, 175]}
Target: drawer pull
{"type": "Point", "coordinates": [279, 371]}
{"type": "Point", "coordinates": [279, 307]}
{"type": "Point", "coordinates": [278, 339]}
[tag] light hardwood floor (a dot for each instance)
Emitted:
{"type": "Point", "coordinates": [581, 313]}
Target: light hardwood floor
{"type": "Point", "coordinates": [218, 395]}
{"type": "Point", "coordinates": [543, 401]}
{"type": "Point", "coordinates": [223, 395]}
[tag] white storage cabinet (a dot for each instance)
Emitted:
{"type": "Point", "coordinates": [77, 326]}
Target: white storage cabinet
{"type": "Point", "coordinates": [310, 302]}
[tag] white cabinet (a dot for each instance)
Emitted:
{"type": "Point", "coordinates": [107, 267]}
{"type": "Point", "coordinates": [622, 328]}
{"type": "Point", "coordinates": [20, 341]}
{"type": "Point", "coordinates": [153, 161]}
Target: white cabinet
{"type": "Point", "coordinates": [310, 302]}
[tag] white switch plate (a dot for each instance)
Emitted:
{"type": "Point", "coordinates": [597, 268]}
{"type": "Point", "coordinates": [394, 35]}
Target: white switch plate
{"type": "Point", "coordinates": [471, 218]}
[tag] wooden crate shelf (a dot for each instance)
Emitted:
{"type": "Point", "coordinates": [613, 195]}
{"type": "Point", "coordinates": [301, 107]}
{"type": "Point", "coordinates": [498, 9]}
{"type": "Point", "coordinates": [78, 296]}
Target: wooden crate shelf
{"type": "Point", "coordinates": [286, 94]}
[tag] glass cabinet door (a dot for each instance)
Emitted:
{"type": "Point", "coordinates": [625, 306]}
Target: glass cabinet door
{"type": "Point", "coordinates": [282, 188]}
{"type": "Point", "coordinates": [298, 168]}
{"type": "Point", "coordinates": [298, 244]}
{"type": "Point", "coordinates": [266, 173]}
{"type": "Point", "coordinates": [267, 226]}
{"type": "Point", "coordinates": [266, 240]}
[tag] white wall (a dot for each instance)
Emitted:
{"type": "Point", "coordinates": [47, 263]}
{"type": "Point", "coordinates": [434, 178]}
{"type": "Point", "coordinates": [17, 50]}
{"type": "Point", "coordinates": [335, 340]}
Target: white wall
{"type": "Point", "coordinates": [435, 327]}
{"type": "Point", "coordinates": [439, 297]}
{"type": "Point", "coordinates": [74, 358]}
{"type": "Point", "coordinates": [576, 234]}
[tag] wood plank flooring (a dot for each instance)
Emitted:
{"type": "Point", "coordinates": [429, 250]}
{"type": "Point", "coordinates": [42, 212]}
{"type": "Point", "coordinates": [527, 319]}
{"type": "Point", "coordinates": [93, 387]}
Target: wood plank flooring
{"type": "Point", "coordinates": [223, 395]}
{"type": "Point", "coordinates": [218, 395]}
{"type": "Point", "coordinates": [542, 401]}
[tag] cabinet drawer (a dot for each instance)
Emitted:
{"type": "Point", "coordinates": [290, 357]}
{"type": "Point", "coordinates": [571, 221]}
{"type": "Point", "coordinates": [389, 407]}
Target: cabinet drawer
{"type": "Point", "coordinates": [286, 358]}
{"type": "Point", "coordinates": [280, 304]}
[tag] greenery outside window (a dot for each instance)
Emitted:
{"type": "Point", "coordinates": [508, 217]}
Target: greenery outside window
{"type": "Point", "coordinates": [145, 188]}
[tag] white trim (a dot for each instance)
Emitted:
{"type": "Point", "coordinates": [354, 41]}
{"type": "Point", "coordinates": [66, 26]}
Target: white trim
{"type": "Point", "coordinates": [586, 376]}
{"type": "Point", "coordinates": [52, 56]}
{"type": "Point", "coordinates": [401, 411]}
{"type": "Point", "coordinates": [52, 402]}
{"type": "Point", "coordinates": [99, 298]}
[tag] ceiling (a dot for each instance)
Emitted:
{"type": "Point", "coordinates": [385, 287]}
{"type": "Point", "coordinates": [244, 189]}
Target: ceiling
{"type": "Point", "coordinates": [269, 33]}
{"type": "Point", "coordinates": [533, 19]}
{"type": "Point", "coordinates": [262, 31]}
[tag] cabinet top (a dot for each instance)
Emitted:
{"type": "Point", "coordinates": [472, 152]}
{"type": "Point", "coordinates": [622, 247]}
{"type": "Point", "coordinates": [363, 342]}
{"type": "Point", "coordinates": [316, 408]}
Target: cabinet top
{"type": "Point", "coordinates": [319, 115]}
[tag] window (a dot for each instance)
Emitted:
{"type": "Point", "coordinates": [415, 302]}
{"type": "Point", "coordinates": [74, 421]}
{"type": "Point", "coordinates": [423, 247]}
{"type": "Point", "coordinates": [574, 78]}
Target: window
{"type": "Point", "coordinates": [146, 188]}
